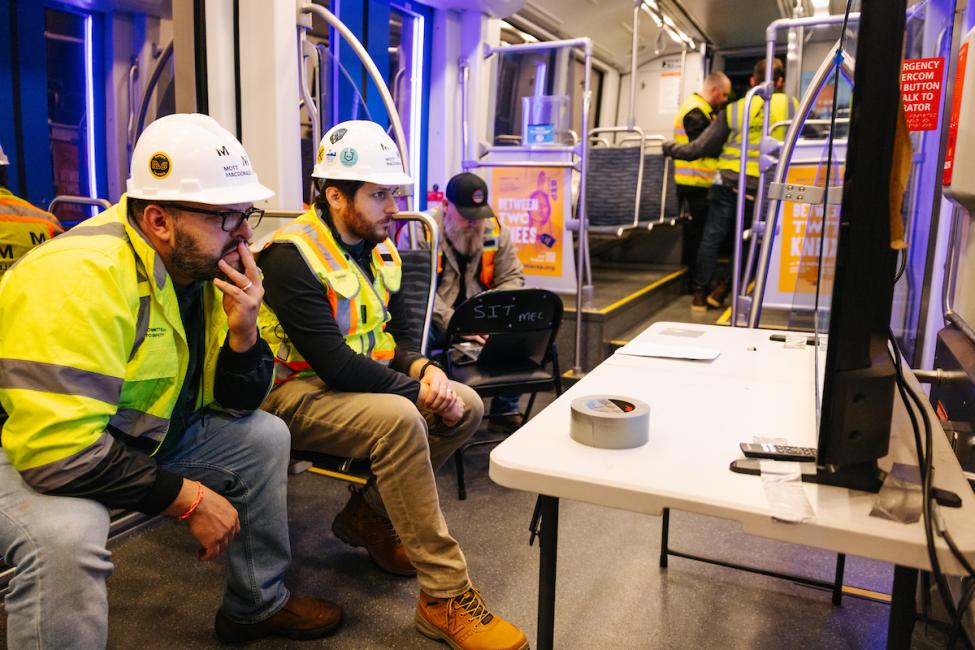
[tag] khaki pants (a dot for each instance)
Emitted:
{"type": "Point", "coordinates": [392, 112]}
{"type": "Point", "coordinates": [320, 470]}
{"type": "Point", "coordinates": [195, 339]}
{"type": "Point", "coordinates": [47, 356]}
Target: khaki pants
{"type": "Point", "coordinates": [405, 446]}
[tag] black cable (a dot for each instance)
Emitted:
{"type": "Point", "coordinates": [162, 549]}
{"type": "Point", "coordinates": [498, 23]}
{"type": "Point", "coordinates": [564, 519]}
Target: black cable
{"type": "Point", "coordinates": [956, 627]}
{"type": "Point", "coordinates": [915, 427]}
{"type": "Point", "coordinates": [903, 265]}
{"type": "Point", "coordinates": [950, 541]}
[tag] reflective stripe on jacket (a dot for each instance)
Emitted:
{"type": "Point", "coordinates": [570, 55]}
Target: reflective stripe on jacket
{"type": "Point", "coordinates": [783, 108]}
{"type": "Point", "coordinates": [22, 227]}
{"type": "Point", "coordinates": [359, 306]}
{"type": "Point", "coordinates": [92, 345]}
{"type": "Point", "coordinates": [700, 172]}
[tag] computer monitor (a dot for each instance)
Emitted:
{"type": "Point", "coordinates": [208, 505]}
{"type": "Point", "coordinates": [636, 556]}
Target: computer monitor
{"type": "Point", "coordinates": [858, 378]}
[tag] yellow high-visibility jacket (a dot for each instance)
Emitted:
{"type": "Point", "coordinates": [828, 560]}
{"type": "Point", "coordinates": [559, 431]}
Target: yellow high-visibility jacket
{"type": "Point", "coordinates": [91, 339]}
{"type": "Point", "coordinates": [358, 304]}
{"type": "Point", "coordinates": [782, 108]}
{"type": "Point", "coordinates": [693, 173]}
{"type": "Point", "coordinates": [22, 227]}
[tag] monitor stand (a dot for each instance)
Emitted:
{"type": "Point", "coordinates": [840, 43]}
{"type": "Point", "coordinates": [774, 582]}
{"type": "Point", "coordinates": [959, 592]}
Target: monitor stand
{"type": "Point", "coordinates": [866, 477]}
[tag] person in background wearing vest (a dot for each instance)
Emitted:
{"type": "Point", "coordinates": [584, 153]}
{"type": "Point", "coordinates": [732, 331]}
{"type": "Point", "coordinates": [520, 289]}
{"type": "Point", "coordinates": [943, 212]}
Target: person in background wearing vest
{"type": "Point", "coordinates": [723, 139]}
{"type": "Point", "coordinates": [333, 316]}
{"type": "Point", "coordinates": [476, 254]}
{"type": "Point", "coordinates": [131, 369]}
{"type": "Point", "coordinates": [22, 226]}
{"type": "Point", "coordinates": [694, 177]}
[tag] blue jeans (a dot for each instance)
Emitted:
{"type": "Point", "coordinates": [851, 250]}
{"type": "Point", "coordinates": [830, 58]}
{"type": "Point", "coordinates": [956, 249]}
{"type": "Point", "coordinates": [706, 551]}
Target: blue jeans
{"type": "Point", "coordinates": [61, 540]}
{"type": "Point", "coordinates": [719, 225]}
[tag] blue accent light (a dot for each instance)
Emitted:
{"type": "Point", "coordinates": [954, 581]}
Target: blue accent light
{"type": "Point", "coordinates": [90, 109]}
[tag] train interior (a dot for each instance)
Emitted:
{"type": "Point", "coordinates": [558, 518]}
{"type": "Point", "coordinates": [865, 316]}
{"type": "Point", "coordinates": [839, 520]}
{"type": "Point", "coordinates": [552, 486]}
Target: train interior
{"type": "Point", "coordinates": [562, 106]}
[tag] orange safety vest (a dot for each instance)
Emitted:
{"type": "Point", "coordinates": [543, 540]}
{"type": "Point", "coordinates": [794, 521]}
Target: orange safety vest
{"type": "Point", "coordinates": [492, 239]}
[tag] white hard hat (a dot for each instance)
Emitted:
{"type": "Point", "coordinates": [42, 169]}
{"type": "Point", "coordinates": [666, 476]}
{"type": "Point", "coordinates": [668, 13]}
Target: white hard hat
{"type": "Point", "coordinates": [360, 151]}
{"type": "Point", "coordinates": [189, 157]}
{"type": "Point", "coordinates": [3, 157]}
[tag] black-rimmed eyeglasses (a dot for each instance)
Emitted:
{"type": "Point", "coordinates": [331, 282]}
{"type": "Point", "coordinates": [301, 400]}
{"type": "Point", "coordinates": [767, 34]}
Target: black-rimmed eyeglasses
{"type": "Point", "coordinates": [231, 220]}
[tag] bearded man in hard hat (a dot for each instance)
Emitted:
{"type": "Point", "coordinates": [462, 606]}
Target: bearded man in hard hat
{"type": "Point", "coordinates": [345, 387]}
{"type": "Point", "coordinates": [22, 226]}
{"type": "Point", "coordinates": [132, 371]}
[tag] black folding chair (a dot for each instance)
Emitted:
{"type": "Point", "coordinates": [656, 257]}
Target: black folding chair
{"type": "Point", "coordinates": [520, 355]}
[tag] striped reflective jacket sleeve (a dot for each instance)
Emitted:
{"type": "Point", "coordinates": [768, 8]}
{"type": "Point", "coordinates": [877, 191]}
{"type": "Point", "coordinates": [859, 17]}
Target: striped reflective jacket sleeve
{"type": "Point", "coordinates": [707, 145]}
{"type": "Point", "coordinates": [61, 373]}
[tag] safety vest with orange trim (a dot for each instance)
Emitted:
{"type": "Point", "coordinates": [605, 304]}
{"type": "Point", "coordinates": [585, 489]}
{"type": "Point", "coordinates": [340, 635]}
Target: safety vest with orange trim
{"type": "Point", "coordinates": [358, 304]}
{"type": "Point", "coordinates": [700, 172]}
{"type": "Point", "coordinates": [22, 227]}
{"type": "Point", "coordinates": [492, 239]}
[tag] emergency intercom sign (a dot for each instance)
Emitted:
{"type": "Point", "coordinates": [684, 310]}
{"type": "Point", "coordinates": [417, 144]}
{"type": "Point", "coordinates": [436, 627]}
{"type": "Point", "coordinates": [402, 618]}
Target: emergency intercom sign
{"type": "Point", "coordinates": [921, 82]}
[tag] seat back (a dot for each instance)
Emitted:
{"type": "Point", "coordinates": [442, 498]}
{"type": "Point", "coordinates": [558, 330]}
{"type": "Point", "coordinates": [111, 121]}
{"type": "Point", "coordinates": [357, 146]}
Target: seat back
{"type": "Point", "coordinates": [611, 182]}
{"type": "Point", "coordinates": [419, 284]}
{"type": "Point", "coordinates": [521, 324]}
{"type": "Point", "coordinates": [652, 190]}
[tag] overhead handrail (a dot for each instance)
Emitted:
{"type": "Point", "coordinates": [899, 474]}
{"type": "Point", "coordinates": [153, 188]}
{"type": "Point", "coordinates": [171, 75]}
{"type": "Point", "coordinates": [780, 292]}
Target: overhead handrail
{"type": "Point", "coordinates": [151, 88]}
{"type": "Point", "coordinates": [306, 50]}
{"type": "Point", "coordinates": [374, 74]}
{"type": "Point", "coordinates": [781, 171]}
{"type": "Point", "coordinates": [130, 122]}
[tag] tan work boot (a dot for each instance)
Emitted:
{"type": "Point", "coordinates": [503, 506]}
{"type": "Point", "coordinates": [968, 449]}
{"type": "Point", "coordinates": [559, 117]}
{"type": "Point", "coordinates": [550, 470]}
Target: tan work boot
{"type": "Point", "coordinates": [359, 525]}
{"type": "Point", "coordinates": [465, 623]}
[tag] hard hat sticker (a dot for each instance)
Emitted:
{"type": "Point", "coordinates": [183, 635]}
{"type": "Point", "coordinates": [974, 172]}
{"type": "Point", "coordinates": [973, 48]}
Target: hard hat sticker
{"type": "Point", "coordinates": [349, 156]}
{"type": "Point", "coordinates": [321, 153]}
{"type": "Point", "coordinates": [338, 135]}
{"type": "Point", "coordinates": [159, 165]}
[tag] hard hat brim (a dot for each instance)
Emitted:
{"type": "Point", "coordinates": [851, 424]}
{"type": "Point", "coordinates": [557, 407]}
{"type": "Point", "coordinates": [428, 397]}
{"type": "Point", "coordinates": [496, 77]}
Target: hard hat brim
{"type": "Point", "coordinates": [381, 178]}
{"type": "Point", "coordinates": [251, 193]}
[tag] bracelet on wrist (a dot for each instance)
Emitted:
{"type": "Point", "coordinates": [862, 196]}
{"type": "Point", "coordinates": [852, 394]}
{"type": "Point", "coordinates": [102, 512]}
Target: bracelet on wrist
{"type": "Point", "coordinates": [194, 505]}
{"type": "Point", "coordinates": [423, 369]}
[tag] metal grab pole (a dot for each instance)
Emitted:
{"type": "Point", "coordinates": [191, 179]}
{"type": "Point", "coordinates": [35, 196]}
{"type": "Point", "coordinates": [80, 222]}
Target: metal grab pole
{"type": "Point", "coordinates": [376, 77]}
{"type": "Point", "coordinates": [761, 90]}
{"type": "Point", "coordinates": [583, 256]}
{"type": "Point", "coordinates": [305, 48]}
{"type": "Point", "coordinates": [463, 69]}
{"type": "Point", "coordinates": [781, 172]}
{"type": "Point", "coordinates": [631, 116]}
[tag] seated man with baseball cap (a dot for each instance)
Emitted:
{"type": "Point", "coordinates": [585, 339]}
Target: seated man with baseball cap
{"type": "Point", "coordinates": [132, 370]}
{"type": "Point", "coordinates": [345, 387]}
{"type": "Point", "coordinates": [476, 254]}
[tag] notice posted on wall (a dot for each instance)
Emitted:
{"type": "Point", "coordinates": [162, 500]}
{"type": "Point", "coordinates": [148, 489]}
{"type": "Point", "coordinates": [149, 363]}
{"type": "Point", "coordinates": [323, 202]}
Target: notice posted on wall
{"type": "Point", "coordinates": [530, 203]}
{"type": "Point", "coordinates": [921, 84]}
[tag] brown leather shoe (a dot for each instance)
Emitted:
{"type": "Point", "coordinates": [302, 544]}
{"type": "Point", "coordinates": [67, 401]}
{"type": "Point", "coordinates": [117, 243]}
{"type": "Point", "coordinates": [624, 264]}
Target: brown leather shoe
{"type": "Point", "coordinates": [359, 525]}
{"type": "Point", "coordinates": [301, 618]}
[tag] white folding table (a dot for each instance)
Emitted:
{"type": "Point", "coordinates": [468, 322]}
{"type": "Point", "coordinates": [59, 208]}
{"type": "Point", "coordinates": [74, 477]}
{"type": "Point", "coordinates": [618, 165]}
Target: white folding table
{"type": "Point", "coordinates": [699, 412]}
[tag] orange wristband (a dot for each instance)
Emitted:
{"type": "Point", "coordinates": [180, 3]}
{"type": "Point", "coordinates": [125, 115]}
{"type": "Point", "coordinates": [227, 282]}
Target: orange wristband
{"type": "Point", "coordinates": [194, 505]}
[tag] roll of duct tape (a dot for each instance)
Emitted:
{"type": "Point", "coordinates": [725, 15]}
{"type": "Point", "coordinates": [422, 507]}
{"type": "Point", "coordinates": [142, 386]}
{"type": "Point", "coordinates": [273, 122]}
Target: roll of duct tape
{"type": "Point", "coordinates": [610, 421]}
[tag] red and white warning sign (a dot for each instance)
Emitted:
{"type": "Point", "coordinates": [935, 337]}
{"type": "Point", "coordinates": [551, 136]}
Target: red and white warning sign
{"type": "Point", "coordinates": [921, 82]}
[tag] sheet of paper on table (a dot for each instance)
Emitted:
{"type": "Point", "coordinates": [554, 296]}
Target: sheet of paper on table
{"type": "Point", "coordinates": [650, 349]}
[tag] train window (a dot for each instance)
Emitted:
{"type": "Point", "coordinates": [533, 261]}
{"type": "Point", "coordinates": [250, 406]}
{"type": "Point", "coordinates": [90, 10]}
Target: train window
{"type": "Point", "coordinates": [405, 80]}
{"type": "Point", "coordinates": [524, 74]}
{"type": "Point", "coordinates": [73, 108]}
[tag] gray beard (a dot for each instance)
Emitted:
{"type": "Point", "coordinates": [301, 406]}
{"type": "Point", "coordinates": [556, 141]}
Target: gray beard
{"type": "Point", "coordinates": [465, 241]}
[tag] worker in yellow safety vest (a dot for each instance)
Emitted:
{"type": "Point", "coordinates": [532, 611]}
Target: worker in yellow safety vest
{"type": "Point", "coordinates": [22, 226]}
{"type": "Point", "coordinates": [724, 139]}
{"type": "Point", "coordinates": [695, 177]}
{"type": "Point", "coordinates": [347, 387]}
{"type": "Point", "coordinates": [131, 370]}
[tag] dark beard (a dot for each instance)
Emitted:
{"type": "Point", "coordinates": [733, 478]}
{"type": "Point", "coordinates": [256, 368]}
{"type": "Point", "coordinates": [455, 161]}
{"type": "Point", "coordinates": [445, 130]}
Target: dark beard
{"type": "Point", "coordinates": [188, 259]}
{"type": "Point", "coordinates": [359, 227]}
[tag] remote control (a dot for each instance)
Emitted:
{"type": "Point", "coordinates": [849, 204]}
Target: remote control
{"type": "Point", "coordinates": [779, 452]}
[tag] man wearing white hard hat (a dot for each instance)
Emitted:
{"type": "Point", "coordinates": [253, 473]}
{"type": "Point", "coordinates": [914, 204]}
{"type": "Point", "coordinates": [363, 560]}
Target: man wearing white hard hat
{"type": "Point", "coordinates": [22, 226]}
{"type": "Point", "coordinates": [333, 316]}
{"type": "Point", "coordinates": [131, 370]}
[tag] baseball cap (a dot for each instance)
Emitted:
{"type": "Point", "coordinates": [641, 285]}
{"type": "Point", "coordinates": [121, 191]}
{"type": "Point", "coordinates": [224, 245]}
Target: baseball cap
{"type": "Point", "coordinates": [470, 194]}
